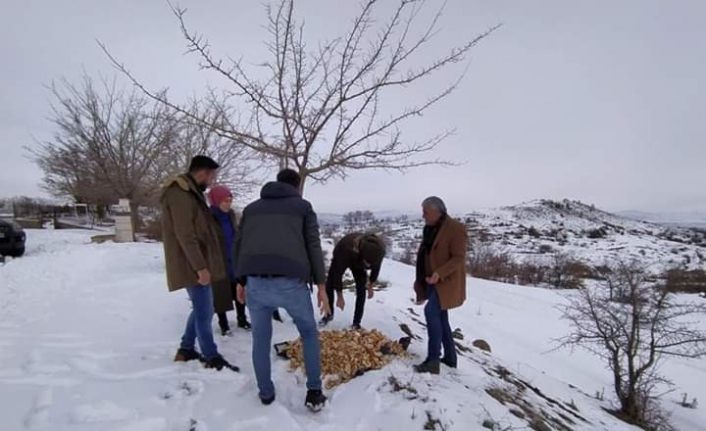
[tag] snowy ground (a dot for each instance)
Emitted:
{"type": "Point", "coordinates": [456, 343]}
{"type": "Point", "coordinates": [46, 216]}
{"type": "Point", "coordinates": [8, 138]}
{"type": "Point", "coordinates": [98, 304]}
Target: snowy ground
{"type": "Point", "coordinates": [88, 331]}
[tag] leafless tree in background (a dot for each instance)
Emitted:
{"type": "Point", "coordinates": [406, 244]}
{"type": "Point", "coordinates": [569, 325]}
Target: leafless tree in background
{"type": "Point", "coordinates": [111, 144]}
{"type": "Point", "coordinates": [240, 166]}
{"type": "Point", "coordinates": [634, 335]}
{"type": "Point", "coordinates": [318, 109]}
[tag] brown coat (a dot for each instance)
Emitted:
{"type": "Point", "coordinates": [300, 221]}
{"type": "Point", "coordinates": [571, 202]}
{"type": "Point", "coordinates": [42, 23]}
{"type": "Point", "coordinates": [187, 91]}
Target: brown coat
{"type": "Point", "coordinates": [448, 259]}
{"type": "Point", "coordinates": [190, 234]}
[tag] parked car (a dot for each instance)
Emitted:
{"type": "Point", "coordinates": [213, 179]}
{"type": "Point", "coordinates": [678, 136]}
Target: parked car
{"type": "Point", "coordinates": [12, 239]}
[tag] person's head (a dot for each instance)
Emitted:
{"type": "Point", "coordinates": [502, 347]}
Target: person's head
{"type": "Point", "coordinates": [221, 197]}
{"type": "Point", "coordinates": [289, 176]}
{"type": "Point", "coordinates": [433, 210]}
{"type": "Point", "coordinates": [203, 170]}
{"type": "Point", "coordinates": [372, 251]}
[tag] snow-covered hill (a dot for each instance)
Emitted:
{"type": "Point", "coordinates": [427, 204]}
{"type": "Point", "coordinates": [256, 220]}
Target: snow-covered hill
{"type": "Point", "coordinates": [535, 231]}
{"type": "Point", "coordinates": [88, 332]}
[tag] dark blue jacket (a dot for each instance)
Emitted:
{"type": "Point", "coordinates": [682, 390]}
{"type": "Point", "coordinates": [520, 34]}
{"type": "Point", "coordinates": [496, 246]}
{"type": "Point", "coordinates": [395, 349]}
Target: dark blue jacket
{"type": "Point", "coordinates": [279, 235]}
{"type": "Point", "coordinates": [227, 223]}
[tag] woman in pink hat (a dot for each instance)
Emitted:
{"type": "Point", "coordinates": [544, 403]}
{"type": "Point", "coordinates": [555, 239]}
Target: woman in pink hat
{"type": "Point", "coordinates": [221, 200]}
{"type": "Point", "coordinates": [224, 292]}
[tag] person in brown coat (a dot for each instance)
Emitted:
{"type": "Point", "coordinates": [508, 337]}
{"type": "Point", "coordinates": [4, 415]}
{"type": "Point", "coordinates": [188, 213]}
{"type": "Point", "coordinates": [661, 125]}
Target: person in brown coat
{"type": "Point", "coordinates": [440, 281]}
{"type": "Point", "coordinates": [193, 255]}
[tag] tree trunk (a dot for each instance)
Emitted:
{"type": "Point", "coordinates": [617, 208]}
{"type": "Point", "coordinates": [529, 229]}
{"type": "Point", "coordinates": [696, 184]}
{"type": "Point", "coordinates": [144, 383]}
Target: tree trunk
{"type": "Point", "coordinates": [630, 406]}
{"type": "Point", "coordinates": [303, 176]}
{"type": "Point", "coordinates": [135, 217]}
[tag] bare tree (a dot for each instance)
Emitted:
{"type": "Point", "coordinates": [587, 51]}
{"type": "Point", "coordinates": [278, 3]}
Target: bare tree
{"type": "Point", "coordinates": [111, 144]}
{"type": "Point", "coordinates": [240, 166]}
{"type": "Point", "coordinates": [107, 143]}
{"type": "Point", "coordinates": [319, 110]}
{"type": "Point", "coordinates": [634, 335]}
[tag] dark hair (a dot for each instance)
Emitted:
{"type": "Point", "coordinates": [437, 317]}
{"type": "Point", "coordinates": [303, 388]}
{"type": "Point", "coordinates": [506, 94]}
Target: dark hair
{"type": "Point", "coordinates": [290, 177]}
{"type": "Point", "coordinates": [200, 162]}
{"type": "Point", "coordinates": [372, 249]}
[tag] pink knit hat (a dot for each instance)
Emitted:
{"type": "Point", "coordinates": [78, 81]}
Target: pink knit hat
{"type": "Point", "coordinates": [218, 194]}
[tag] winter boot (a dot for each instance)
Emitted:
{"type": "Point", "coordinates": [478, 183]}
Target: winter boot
{"type": "Point", "coordinates": [244, 324]}
{"type": "Point", "coordinates": [276, 316]}
{"type": "Point", "coordinates": [223, 324]}
{"type": "Point", "coordinates": [267, 401]}
{"type": "Point", "coordinates": [451, 363]}
{"type": "Point", "coordinates": [186, 355]}
{"type": "Point", "coordinates": [219, 363]}
{"type": "Point", "coordinates": [315, 400]}
{"type": "Point", "coordinates": [325, 320]}
{"type": "Point", "coordinates": [431, 367]}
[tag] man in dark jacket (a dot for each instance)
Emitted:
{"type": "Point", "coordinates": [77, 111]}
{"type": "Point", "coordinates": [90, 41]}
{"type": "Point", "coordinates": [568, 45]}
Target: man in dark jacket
{"type": "Point", "coordinates": [358, 252]}
{"type": "Point", "coordinates": [277, 253]}
{"type": "Point", "coordinates": [193, 256]}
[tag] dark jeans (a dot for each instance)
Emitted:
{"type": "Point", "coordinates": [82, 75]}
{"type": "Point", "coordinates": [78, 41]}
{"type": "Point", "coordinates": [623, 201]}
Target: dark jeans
{"type": "Point", "coordinates": [361, 295]}
{"type": "Point", "coordinates": [438, 329]}
{"type": "Point", "coordinates": [198, 325]}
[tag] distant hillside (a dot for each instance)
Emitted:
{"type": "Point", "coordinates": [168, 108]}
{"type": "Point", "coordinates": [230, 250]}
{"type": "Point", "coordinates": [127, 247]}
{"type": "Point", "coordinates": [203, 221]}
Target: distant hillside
{"type": "Point", "coordinates": [695, 219]}
{"type": "Point", "coordinates": [591, 235]}
{"type": "Point", "coordinates": [539, 230]}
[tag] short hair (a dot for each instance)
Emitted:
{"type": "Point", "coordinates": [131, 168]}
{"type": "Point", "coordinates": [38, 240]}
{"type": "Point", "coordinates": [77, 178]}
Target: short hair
{"type": "Point", "coordinates": [289, 176]}
{"type": "Point", "coordinates": [435, 202]}
{"type": "Point", "coordinates": [201, 162]}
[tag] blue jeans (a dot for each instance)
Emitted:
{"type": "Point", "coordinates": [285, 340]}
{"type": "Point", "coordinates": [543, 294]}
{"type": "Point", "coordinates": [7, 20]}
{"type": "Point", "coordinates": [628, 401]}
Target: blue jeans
{"type": "Point", "coordinates": [265, 295]}
{"type": "Point", "coordinates": [438, 329]}
{"type": "Point", "coordinates": [199, 323]}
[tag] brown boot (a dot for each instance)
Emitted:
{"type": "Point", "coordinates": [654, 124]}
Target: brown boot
{"type": "Point", "coordinates": [186, 355]}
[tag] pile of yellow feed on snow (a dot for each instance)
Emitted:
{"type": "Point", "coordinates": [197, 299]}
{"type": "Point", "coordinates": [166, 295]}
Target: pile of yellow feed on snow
{"type": "Point", "coordinates": [348, 353]}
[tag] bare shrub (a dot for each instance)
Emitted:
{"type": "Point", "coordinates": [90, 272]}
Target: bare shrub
{"type": "Point", "coordinates": [634, 335]}
{"type": "Point", "coordinates": [685, 281]}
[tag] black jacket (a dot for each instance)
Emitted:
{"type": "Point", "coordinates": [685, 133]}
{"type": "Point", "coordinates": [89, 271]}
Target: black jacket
{"type": "Point", "coordinates": [351, 252]}
{"type": "Point", "coordinates": [279, 235]}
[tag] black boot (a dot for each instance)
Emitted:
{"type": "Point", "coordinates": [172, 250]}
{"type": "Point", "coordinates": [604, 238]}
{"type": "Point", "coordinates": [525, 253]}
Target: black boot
{"type": "Point", "coordinates": [431, 367]}
{"type": "Point", "coordinates": [267, 401]}
{"type": "Point", "coordinates": [186, 355]}
{"type": "Point", "coordinates": [325, 320]}
{"type": "Point", "coordinates": [219, 363]}
{"type": "Point", "coordinates": [223, 324]}
{"type": "Point", "coordinates": [276, 316]}
{"type": "Point", "coordinates": [451, 363]}
{"type": "Point", "coordinates": [244, 324]}
{"type": "Point", "coordinates": [315, 400]}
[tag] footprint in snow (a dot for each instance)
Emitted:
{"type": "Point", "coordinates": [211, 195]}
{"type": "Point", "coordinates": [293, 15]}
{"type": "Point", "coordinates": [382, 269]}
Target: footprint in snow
{"type": "Point", "coordinates": [103, 411]}
{"type": "Point", "coordinates": [38, 416]}
{"type": "Point", "coordinates": [186, 389]}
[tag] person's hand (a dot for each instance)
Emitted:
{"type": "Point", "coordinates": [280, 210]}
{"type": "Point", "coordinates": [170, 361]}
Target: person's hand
{"type": "Point", "coordinates": [371, 292]}
{"type": "Point", "coordinates": [340, 302]}
{"type": "Point", "coordinates": [204, 277]}
{"type": "Point", "coordinates": [324, 306]}
{"type": "Point", "coordinates": [240, 294]}
{"type": "Point", "coordinates": [417, 301]}
{"type": "Point", "coordinates": [434, 279]}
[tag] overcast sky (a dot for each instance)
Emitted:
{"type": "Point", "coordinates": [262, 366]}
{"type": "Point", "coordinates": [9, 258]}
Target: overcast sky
{"type": "Point", "coordinates": [602, 101]}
